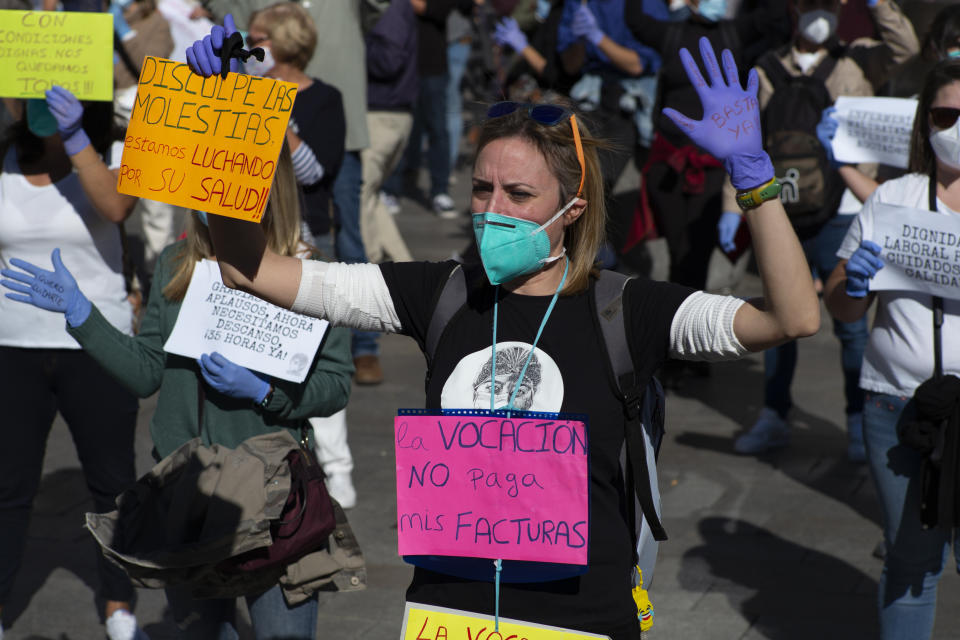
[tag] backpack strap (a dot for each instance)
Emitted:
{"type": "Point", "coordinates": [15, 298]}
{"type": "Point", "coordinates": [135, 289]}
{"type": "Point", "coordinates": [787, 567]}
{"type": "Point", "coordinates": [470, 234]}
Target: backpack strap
{"type": "Point", "coordinates": [771, 64]}
{"type": "Point", "coordinates": [608, 297]}
{"type": "Point", "coordinates": [453, 295]}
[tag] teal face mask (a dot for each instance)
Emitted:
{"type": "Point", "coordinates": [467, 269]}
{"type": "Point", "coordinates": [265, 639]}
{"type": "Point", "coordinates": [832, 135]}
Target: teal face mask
{"type": "Point", "coordinates": [712, 10]}
{"type": "Point", "coordinates": [203, 217]}
{"type": "Point", "coordinates": [511, 247]}
{"type": "Point", "coordinates": [39, 119]}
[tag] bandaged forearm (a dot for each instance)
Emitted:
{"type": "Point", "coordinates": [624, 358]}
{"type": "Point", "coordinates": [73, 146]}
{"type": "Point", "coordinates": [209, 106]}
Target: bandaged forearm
{"type": "Point", "coordinates": [702, 328]}
{"type": "Point", "coordinates": [306, 167]}
{"type": "Point", "coordinates": [346, 295]}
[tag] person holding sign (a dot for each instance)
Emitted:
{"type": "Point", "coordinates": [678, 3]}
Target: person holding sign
{"type": "Point", "coordinates": [901, 355]}
{"type": "Point", "coordinates": [538, 212]}
{"type": "Point", "coordinates": [234, 403]}
{"type": "Point", "coordinates": [60, 162]}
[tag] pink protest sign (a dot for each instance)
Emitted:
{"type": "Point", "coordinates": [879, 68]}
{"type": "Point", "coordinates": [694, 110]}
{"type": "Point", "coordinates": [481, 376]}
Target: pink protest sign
{"type": "Point", "coordinates": [485, 486]}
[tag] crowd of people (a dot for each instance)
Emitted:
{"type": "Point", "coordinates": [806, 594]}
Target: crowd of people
{"type": "Point", "coordinates": [572, 92]}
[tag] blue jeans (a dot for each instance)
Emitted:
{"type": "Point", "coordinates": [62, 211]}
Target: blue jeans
{"type": "Point", "coordinates": [780, 362]}
{"type": "Point", "coordinates": [349, 242]}
{"type": "Point", "coordinates": [915, 556]}
{"type": "Point", "coordinates": [457, 54]}
{"type": "Point", "coordinates": [215, 619]}
{"type": "Point", "coordinates": [430, 116]}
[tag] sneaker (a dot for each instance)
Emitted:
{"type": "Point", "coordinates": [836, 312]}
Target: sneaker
{"type": "Point", "coordinates": [856, 452]}
{"type": "Point", "coordinates": [444, 207]}
{"type": "Point", "coordinates": [340, 488]}
{"type": "Point", "coordinates": [368, 370]}
{"type": "Point", "coordinates": [768, 432]}
{"type": "Point", "coordinates": [391, 202]}
{"type": "Point", "coordinates": [122, 625]}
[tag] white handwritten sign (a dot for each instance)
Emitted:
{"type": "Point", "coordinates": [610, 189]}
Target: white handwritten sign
{"type": "Point", "coordinates": [921, 251]}
{"type": "Point", "coordinates": [247, 330]}
{"type": "Point", "coordinates": [874, 130]}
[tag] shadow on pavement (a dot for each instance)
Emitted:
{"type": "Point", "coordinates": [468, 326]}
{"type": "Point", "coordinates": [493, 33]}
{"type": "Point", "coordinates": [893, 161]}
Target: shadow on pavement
{"type": "Point", "coordinates": [783, 589]}
{"type": "Point", "coordinates": [807, 460]}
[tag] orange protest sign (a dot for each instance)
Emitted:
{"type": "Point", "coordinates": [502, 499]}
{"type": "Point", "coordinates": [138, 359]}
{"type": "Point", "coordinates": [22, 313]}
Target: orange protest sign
{"type": "Point", "coordinates": [205, 143]}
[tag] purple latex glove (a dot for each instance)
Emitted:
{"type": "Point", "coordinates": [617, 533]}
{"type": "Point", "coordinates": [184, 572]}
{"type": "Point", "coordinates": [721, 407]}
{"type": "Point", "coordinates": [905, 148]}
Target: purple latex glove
{"type": "Point", "coordinates": [231, 379]}
{"type": "Point", "coordinates": [508, 33]}
{"type": "Point", "coordinates": [55, 290]}
{"type": "Point", "coordinates": [68, 112]}
{"type": "Point", "coordinates": [585, 25]}
{"type": "Point", "coordinates": [826, 130]}
{"type": "Point", "coordinates": [204, 55]}
{"type": "Point", "coordinates": [727, 230]}
{"type": "Point", "coordinates": [861, 267]}
{"type": "Point", "coordinates": [730, 129]}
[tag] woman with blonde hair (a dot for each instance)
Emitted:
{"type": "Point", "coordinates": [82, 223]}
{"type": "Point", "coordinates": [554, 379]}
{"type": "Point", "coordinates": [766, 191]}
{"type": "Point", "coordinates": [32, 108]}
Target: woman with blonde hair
{"type": "Point", "coordinates": [234, 403]}
{"type": "Point", "coordinates": [538, 216]}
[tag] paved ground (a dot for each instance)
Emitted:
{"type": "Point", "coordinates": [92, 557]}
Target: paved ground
{"type": "Point", "coordinates": [777, 547]}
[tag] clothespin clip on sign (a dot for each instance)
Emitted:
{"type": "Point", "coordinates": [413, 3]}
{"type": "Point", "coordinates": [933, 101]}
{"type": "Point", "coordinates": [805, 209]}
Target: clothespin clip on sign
{"type": "Point", "coordinates": [233, 48]}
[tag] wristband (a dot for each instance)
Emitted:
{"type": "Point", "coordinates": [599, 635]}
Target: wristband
{"type": "Point", "coordinates": [266, 399]}
{"type": "Point", "coordinates": [752, 198]}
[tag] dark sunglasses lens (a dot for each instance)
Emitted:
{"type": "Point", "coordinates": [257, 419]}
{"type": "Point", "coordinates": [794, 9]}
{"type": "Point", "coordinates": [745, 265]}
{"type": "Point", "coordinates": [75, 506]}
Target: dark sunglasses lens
{"type": "Point", "coordinates": [944, 117]}
{"type": "Point", "coordinates": [548, 114]}
{"type": "Point", "coordinates": [502, 109]}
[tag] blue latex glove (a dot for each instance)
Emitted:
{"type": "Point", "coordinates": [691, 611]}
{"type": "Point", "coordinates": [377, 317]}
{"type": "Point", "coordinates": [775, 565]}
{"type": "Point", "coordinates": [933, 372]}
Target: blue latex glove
{"type": "Point", "coordinates": [872, 3]}
{"type": "Point", "coordinates": [826, 130]}
{"type": "Point", "coordinates": [68, 112]}
{"type": "Point", "coordinates": [730, 129]}
{"type": "Point", "coordinates": [507, 32]}
{"type": "Point", "coordinates": [204, 55]}
{"type": "Point", "coordinates": [585, 25]}
{"type": "Point", "coordinates": [863, 265]}
{"type": "Point", "coordinates": [55, 290]}
{"type": "Point", "coordinates": [120, 25]}
{"type": "Point", "coordinates": [231, 379]}
{"type": "Point", "coordinates": [727, 230]}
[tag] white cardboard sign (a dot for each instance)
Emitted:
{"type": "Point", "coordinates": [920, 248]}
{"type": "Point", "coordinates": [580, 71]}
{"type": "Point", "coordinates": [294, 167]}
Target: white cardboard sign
{"type": "Point", "coordinates": [245, 329]}
{"type": "Point", "coordinates": [921, 251]}
{"type": "Point", "coordinates": [874, 130]}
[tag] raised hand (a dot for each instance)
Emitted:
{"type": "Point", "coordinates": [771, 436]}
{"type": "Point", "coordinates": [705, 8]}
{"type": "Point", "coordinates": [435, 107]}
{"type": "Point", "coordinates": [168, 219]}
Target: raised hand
{"type": "Point", "coordinates": [68, 112]}
{"type": "Point", "coordinates": [727, 230]}
{"type": "Point", "coordinates": [826, 130]}
{"type": "Point", "coordinates": [730, 128]}
{"type": "Point", "coordinates": [204, 56]}
{"type": "Point", "coordinates": [232, 379]}
{"type": "Point", "coordinates": [55, 290]}
{"type": "Point", "coordinates": [861, 267]}
{"type": "Point", "coordinates": [507, 32]}
{"type": "Point", "coordinates": [585, 25]}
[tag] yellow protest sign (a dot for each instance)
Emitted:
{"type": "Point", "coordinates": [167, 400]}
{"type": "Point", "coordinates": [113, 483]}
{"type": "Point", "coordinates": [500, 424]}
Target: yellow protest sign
{"type": "Point", "coordinates": [427, 622]}
{"type": "Point", "coordinates": [72, 49]}
{"type": "Point", "coordinates": [205, 143]}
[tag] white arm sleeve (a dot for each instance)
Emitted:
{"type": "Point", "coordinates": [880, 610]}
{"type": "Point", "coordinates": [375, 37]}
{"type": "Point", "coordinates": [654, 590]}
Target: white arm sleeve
{"type": "Point", "coordinates": [306, 167]}
{"type": "Point", "coordinates": [346, 295]}
{"type": "Point", "coordinates": [702, 328]}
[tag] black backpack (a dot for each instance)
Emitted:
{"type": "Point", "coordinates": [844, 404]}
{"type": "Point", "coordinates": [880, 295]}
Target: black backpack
{"type": "Point", "coordinates": [811, 188]}
{"type": "Point", "coordinates": [643, 406]}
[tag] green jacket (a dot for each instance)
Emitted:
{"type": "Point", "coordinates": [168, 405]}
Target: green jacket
{"type": "Point", "coordinates": [141, 365]}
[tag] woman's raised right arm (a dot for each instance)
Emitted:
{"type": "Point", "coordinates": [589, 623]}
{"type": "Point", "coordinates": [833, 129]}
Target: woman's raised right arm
{"type": "Point", "coordinates": [246, 263]}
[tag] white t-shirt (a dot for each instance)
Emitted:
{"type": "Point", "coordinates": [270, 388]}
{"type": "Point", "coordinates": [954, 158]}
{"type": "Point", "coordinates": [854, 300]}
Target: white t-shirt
{"type": "Point", "coordinates": [899, 355]}
{"type": "Point", "coordinates": [36, 220]}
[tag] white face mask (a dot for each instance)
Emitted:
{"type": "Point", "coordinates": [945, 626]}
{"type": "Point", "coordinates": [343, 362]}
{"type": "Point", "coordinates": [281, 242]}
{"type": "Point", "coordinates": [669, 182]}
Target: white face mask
{"type": "Point", "coordinates": [946, 144]}
{"type": "Point", "coordinates": [817, 26]}
{"type": "Point", "coordinates": [255, 67]}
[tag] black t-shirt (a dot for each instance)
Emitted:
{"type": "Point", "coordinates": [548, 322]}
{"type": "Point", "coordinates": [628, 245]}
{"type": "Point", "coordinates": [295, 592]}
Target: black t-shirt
{"type": "Point", "coordinates": [319, 121]}
{"type": "Point", "coordinates": [572, 377]}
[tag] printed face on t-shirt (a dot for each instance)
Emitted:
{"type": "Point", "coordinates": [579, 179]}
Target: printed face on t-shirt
{"type": "Point", "coordinates": [473, 380]}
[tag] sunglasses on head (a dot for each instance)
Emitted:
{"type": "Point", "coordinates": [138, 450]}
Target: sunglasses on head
{"type": "Point", "coordinates": [944, 117]}
{"type": "Point", "coordinates": [547, 115]}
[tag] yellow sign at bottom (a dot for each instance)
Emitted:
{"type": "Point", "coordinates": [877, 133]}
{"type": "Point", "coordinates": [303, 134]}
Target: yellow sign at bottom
{"type": "Point", "coordinates": [427, 622]}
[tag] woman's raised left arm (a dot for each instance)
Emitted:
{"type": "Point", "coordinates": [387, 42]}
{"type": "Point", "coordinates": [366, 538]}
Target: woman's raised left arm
{"type": "Point", "coordinates": [730, 130]}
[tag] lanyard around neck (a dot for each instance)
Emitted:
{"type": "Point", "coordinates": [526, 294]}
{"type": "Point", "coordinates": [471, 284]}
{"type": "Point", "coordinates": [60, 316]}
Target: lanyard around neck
{"type": "Point", "coordinates": [523, 372]}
